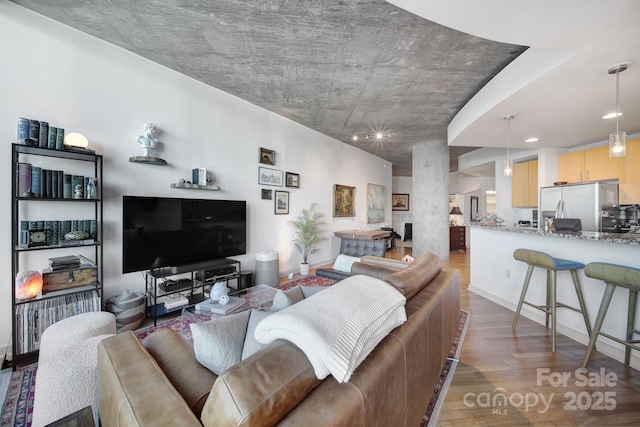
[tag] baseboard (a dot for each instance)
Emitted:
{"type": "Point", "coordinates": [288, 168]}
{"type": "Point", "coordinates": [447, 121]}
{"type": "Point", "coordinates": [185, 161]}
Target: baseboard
{"type": "Point", "coordinates": [604, 345]}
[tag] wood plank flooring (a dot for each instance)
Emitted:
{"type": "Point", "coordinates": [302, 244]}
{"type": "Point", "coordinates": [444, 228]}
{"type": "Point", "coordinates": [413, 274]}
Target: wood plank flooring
{"type": "Point", "coordinates": [499, 365]}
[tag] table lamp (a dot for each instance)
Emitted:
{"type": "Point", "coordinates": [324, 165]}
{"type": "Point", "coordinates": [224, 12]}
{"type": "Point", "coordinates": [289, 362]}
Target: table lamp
{"type": "Point", "coordinates": [455, 211]}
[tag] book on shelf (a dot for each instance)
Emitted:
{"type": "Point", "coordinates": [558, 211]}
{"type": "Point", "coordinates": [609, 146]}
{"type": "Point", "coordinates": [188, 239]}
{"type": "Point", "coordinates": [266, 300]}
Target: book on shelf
{"type": "Point", "coordinates": [36, 180]}
{"type": "Point", "coordinates": [67, 192]}
{"type": "Point", "coordinates": [23, 180]}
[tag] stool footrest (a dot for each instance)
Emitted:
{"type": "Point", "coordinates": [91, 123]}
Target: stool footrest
{"type": "Point", "coordinates": [621, 341]}
{"type": "Point", "coordinates": [547, 308]}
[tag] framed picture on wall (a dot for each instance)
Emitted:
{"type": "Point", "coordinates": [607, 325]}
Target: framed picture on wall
{"type": "Point", "coordinates": [266, 156]}
{"type": "Point", "coordinates": [266, 194]}
{"type": "Point", "coordinates": [268, 176]}
{"type": "Point", "coordinates": [344, 201]}
{"type": "Point", "coordinates": [399, 202]}
{"type": "Point", "coordinates": [375, 203]}
{"type": "Point", "coordinates": [292, 180]}
{"type": "Point", "coordinates": [281, 202]}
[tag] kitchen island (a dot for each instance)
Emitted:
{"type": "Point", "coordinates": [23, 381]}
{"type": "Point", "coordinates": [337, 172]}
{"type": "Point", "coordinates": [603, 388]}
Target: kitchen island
{"type": "Point", "coordinates": [496, 275]}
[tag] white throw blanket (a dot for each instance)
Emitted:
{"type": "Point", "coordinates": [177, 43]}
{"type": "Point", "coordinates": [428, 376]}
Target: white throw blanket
{"type": "Point", "coordinates": [338, 327]}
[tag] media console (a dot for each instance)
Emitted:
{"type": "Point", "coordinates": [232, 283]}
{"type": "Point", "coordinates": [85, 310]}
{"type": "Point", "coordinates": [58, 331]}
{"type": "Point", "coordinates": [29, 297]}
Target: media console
{"type": "Point", "coordinates": [168, 291]}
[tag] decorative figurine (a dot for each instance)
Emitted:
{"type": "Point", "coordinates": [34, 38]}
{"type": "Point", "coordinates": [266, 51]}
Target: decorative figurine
{"type": "Point", "coordinates": [147, 141]}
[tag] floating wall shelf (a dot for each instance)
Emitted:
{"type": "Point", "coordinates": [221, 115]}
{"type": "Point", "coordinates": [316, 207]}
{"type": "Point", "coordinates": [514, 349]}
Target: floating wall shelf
{"type": "Point", "coordinates": [195, 186]}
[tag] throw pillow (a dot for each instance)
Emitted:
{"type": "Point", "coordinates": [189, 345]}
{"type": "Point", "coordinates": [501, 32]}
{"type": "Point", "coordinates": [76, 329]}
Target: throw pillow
{"type": "Point", "coordinates": [284, 299]}
{"type": "Point", "coordinates": [218, 343]}
{"type": "Point", "coordinates": [251, 345]}
{"type": "Point", "coordinates": [308, 291]}
{"type": "Point", "coordinates": [343, 263]}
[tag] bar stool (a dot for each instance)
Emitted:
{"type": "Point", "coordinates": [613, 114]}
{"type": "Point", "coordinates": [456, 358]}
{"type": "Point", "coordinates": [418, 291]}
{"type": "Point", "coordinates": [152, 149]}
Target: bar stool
{"type": "Point", "coordinates": [615, 275]}
{"type": "Point", "coordinates": [552, 265]}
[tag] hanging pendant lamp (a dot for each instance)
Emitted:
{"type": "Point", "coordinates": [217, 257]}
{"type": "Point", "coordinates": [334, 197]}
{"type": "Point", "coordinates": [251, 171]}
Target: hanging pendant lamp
{"type": "Point", "coordinates": [508, 164]}
{"type": "Point", "coordinates": [618, 139]}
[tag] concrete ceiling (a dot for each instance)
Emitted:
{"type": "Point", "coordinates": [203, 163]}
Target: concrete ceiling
{"type": "Point", "coordinates": [423, 71]}
{"type": "Point", "coordinates": [343, 68]}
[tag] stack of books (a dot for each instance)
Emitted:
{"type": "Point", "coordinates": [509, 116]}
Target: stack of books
{"type": "Point", "coordinates": [64, 262]}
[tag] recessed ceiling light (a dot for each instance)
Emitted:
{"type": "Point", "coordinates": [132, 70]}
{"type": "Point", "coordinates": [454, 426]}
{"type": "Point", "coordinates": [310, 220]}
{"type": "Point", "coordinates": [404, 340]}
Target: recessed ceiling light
{"type": "Point", "coordinates": [611, 116]}
{"type": "Point", "coordinates": [534, 139]}
{"type": "Point", "coordinates": [355, 137]}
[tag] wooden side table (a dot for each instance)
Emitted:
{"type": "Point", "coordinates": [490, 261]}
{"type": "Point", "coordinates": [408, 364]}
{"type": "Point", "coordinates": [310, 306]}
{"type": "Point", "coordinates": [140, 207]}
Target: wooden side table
{"type": "Point", "coordinates": [457, 237]}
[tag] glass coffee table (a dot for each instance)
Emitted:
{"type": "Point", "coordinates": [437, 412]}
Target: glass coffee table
{"type": "Point", "coordinates": [259, 296]}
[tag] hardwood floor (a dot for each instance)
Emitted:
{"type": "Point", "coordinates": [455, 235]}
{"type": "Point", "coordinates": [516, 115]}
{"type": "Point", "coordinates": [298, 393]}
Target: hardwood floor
{"type": "Point", "coordinates": [499, 365]}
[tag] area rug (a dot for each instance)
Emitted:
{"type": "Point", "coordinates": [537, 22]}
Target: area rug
{"type": "Point", "coordinates": [18, 405]}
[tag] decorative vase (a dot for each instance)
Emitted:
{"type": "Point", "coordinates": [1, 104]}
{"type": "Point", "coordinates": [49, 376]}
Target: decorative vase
{"type": "Point", "coordinates": [304, 269]}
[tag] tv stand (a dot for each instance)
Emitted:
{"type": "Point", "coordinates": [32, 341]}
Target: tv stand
{"type": "Point", "coordinates": [163, 297]}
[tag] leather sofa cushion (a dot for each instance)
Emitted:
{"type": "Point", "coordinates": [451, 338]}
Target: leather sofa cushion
{"type": "Point", "coordinates": [416, 276]}
{"type": "Point", "coordinates": [177, 360]}
{"type": "Point", "coordinates": [260, 390]}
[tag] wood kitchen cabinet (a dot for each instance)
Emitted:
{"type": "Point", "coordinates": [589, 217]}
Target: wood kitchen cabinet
{"type": "Point", "coordinates": [593, 164]}
{"type": "Point", "coordinates": [457, 237]}
{"type": "Point", "coordinates": [571, 167]}
{"type": "Point", "coordinates": [524, 184]}
{"type": "Point", "coordinates": [629, 174]}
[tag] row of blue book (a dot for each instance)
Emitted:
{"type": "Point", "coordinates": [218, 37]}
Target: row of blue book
{"type": "Point", "coordinates": [58, 229]}
{"type": "Point", "coordinates": [34, 181]}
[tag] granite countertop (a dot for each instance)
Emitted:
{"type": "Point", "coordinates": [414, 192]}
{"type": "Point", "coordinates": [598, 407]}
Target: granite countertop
{"type": "Point", "coordinates": [628, 239]}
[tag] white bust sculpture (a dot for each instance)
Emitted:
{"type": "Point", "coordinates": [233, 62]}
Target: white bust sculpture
{"type": "Point", "coordinates": [147, 141]}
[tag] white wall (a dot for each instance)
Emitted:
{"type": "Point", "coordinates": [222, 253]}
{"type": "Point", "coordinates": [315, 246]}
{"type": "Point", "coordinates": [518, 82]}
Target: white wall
{"type": "Point", "coordinates": [53, 73]}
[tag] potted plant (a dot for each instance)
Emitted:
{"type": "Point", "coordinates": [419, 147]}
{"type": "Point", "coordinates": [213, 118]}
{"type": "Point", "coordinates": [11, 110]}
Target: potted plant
{"type": "Point", "coordinates": [308, 232]}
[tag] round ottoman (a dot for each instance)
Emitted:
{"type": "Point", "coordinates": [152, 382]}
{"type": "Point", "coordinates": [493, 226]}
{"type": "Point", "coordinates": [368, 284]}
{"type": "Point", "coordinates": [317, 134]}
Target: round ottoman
{"type": "Point", "coordinates": [67, 366]}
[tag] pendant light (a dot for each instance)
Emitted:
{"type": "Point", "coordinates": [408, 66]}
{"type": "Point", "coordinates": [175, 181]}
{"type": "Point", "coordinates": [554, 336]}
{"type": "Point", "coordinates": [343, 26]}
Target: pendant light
{"type": "Point", "coordinates": [618, 139]}
{"type": "Point", "coordinates": [508, 164]}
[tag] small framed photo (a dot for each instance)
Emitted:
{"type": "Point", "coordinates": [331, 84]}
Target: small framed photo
{"type": "Point", "coordinates": [344, 201]}
{"type": "Point", "coordinates": [266, 194]}
{"type": "Point", "coordinates": [281, 202]}
{"type": "Point", "coordinates": [292, 180]}
{"type": "Point", "coordinates": [268, 176]}
{"type": "Point", "coordinates": [268, 157]}
{"type": "Point", "coordinates": [399, 202]}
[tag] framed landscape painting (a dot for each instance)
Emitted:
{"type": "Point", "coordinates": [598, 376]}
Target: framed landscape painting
{"type": "Point", "coordinates": [344, 201]}
{"type": "Point", "coordinates": [282, 202]}
{"type": "Point", "coordinates": [399, 202]}
{"type": "Point", "coordinates": [268, 176]}
{"type": "Point", "coordinates": [266, 156]}
{"type": "Point", "coordinates": [375, 203]}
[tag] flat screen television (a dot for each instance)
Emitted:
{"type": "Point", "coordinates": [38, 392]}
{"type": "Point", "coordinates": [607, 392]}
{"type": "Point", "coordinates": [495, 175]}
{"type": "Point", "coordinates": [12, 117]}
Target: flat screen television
{"type": "Point", "coordinates": [175, 233]}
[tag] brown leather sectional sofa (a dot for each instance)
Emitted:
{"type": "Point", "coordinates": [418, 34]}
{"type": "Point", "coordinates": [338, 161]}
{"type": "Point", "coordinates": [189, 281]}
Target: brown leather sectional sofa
{"type": "Point", "coordinates": [159, 382]}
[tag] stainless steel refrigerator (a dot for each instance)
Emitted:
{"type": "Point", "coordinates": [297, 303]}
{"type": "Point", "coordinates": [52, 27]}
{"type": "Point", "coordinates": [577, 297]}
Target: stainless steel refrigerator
{"type": "Point", "coordinates": [585, 201]}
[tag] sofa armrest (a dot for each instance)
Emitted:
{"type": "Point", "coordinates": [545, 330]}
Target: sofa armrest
{"type": "Point", "coordinates": [388, 262]}
{"type": "Point", "coordinates": [133, 390]}
{"type": "Point", "coordinates": [373, 270]}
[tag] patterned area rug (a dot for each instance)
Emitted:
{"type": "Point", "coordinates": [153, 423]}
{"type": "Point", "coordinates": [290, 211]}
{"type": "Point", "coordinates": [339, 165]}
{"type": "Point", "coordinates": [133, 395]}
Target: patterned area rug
{"type": "Point", "coordinates": [18, 406]}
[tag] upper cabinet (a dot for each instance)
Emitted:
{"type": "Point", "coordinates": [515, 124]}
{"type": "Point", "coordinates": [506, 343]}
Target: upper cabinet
{"type": "Point", "coordinates": [593, 164]}
{"type": "Point", "coordinates": [524, 185]}
{"type": "Point", "coordinates": [629, 174]}
{"type": "Point", "coordinates": [598, 165]}
{"type": "Point", "coordinates": [571, 167]}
